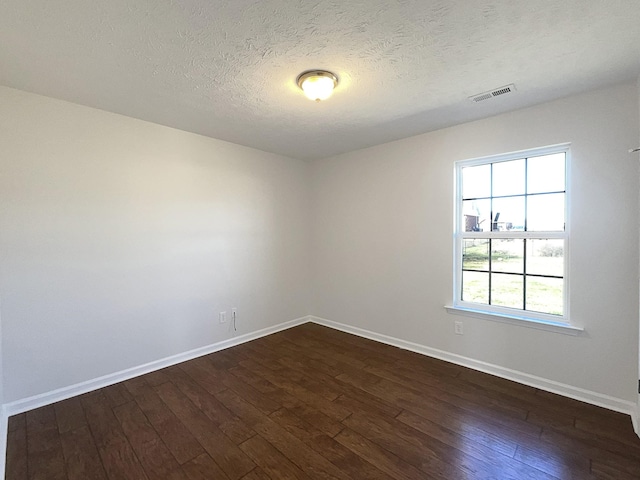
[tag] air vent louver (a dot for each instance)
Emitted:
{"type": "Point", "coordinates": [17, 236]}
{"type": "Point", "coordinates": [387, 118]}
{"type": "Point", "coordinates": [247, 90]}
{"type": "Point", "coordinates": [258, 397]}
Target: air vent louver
{"type": "Point", "coordinates": [493, 93]}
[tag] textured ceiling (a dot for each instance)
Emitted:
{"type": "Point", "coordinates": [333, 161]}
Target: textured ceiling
{"type": "Point", "coordinates": [227, 68]}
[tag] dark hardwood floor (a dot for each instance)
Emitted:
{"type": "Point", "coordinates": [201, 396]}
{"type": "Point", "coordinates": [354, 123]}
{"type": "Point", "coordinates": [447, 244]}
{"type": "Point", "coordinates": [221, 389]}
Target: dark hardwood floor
{"type": "Point", "coordinates": [311, 402]}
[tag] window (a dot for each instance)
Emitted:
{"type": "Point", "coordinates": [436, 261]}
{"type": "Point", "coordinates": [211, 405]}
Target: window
{"type": "Point", "coordinates": [510, 234]}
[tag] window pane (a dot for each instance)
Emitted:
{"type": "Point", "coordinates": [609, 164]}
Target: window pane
{"type": "Point", "coordinates": [546, 173]}
{"type": "Point", "coordinates": [476, 181]}
{"type": "Point", "coordinates": [508, 214]}
{"type": "Point", "coordinates": [545, 213]}
{"type": "Point", "coordinates": [507, 290]}
{"type": "Point", "coordinates": [545, 257]}
{"type": "Point", "coordinates": [508, 178]}
{"type": "Point", "coordinates": [475, 287]}
{"type": "Point", "coordinates": [523, 193]}
{"type": "Point", "coordinates": [475, 255]}
{"type": "Point", "coordinates": [507, 255]}
{"type": "Point", "coordinates": [545, 295]}
{"type": "Point", "coordinates": [476, 215]}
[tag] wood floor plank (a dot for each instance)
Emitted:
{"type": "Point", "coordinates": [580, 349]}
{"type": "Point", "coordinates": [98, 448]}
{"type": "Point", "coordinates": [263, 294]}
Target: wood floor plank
{"type": "Point", "coordinates": [232, 426]}
{"type": "Point", "coordinates": [286, 400]}
{"type": "Point", "coordinates": [264, 386]}
{"type": "Point", "coordinates": [425, 453]}
{"type": "Point", "coordinates": [470, 438]}
{"type": "Point", "coordinates": [381, 458]}
{"type": "Point", "coordinates": [335, 353]}
{"type": "Point", "coordinates": [266, 351]}
{"type": "Point", "coordinates": [541, 411]}
{"type": "Point", "coordinates": [45, 459]}
{"type": "Point", "coordinates": [581, 409]}
{"type": "Point", "coordinates": [451, 391]}
{"type": "Point", "coordinates": [16, 422]}
{"type": "Point", "coordinates": [610, 431]}
{"type": "Point", "coordinates": [117, 456]}
{"type": "Point", "coordinates": [137, 386]}
{"type": "Point", "coordinates": [543, 418]}
{"type": "Point", "coordinates": [263, 402]}
{"type": "Point", "coordinates": [313, 383]}
{"type": "Point", "coordinates": [153, 454]}
{"type": "Point", "coordinates": [437, 453]}
{"type": "Point", "coordinates": [81, 456]}
{"type": "Point", "coordinates": [156, 378]}
{"type": "Point", "coordinates": [610, 471]}
{"type": "Point", "coordinates": [16, 456]}
{"type": "Point", "coordinates": [203, 468]}
{"type": "Point", "coordinates": [271, 460]}
{"type": "Point", "coordinates": [328, 408]}
{"type": "Point", "coordinates": [178, 439]}
{"type": "Point", "coordinates": [336, 453]}
{"type": "Point", "coordinates": [295, 450]}
{"type": "Point", "coordinates": [416, 402]}
{"type": "Point", "coordinates": [461, 396]}
{"type": "Point", "coordinates": [319, 359]}
{"type": "Point", "coordinates": [559, 464]}
{"type": "Point", "coordinates": [228, 358]}
{"type": "Point", "coordinates": [203, 371]}
{"type": "Point", "coordinates": [568, 438]}
{"type": "Point", "coordinates": [224, 452]}
{"type": "Point", "coordinates": [69, 415]}
{"type": "Point", "coordinates": [335, 387]}
{"type": "Point", "coordinates": [364, 402]}
{"type": "Point", "coordinates": [117, 394]}
{"type": "Point", "coordinates": [257, 474]}
{"type": "Point", "coordinates": [318, 419]}
{"type": "Point", "coordinates": [315, 403]}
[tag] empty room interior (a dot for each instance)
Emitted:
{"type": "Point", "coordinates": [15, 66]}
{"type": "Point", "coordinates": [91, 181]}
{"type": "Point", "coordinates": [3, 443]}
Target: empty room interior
{"type": "Point", "coordinates": [212, 267]}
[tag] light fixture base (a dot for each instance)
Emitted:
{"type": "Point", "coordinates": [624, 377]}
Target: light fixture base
{"type": "Point", "coordinates": [317, 84]}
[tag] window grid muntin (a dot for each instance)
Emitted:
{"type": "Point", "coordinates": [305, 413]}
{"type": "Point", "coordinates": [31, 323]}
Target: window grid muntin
{"type": "Point", "coordinates": [491, 271]}
{"type": "Point", "coordinates": [518, 195]}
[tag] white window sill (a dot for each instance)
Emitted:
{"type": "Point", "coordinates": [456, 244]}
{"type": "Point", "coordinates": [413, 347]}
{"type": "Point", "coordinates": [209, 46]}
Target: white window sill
{"type": "Point", "coordinates": [516, 320]}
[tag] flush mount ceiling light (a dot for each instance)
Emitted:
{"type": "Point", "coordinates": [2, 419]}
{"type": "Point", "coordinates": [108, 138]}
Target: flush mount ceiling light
{"type": "Point", "coordinates": [317, 84]}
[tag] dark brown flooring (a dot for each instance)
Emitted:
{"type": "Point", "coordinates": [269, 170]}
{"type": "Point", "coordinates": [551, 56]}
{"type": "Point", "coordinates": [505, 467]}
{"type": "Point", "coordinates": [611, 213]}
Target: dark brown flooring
{"type": "Point", "coordinates": [311, 402]}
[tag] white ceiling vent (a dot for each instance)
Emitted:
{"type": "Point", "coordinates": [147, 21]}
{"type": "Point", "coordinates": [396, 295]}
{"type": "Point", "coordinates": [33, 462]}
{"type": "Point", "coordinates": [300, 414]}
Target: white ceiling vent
{"type": "Point", "coordinates": [493, 93]}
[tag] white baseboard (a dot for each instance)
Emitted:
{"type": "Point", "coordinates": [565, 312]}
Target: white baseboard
{"type": "Point", "coordinates": [29, 403]}
{"type": "Point", "coordinates": [635, 418]}
{"type": "Point", "coordinates": [587, 396]}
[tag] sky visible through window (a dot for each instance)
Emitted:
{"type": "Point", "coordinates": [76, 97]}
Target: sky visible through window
{"type": "Point", "coordinates": [538, 177]}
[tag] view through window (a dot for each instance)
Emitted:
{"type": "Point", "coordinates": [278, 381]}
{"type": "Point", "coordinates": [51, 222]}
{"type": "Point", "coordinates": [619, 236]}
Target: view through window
{"type": "Point", "coordinates": [511, 243]}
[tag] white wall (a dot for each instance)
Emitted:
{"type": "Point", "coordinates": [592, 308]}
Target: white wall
{"type": "Point", "coordinates": [382, 241]}
{"type": "Point", "coordinates": [121, 240]}
{"type": "Point", "coordinates": [637, 420]}
{"type": "Point", "coordinates": [1, 370]}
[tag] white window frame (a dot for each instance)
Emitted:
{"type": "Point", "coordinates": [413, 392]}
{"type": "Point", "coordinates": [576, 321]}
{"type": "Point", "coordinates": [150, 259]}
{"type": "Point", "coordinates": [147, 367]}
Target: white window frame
{"type": "Point", "coordinates": [494, 312]}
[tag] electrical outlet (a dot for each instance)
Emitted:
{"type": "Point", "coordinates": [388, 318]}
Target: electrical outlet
{"type": "Point", "coordinates": [223, 317]}
{"type": "Point", "coordinates": [458, 328]}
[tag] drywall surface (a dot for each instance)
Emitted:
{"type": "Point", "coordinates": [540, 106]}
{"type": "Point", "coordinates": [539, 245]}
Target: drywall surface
{"type": "Point", "coordinates": [121, 241]}
{"type": "Point", "coordinates": [383, 247]}
{"type": "Point", "coordinates": [1, 370]}
{"type": "Point", "coordinates": [637, 159]}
